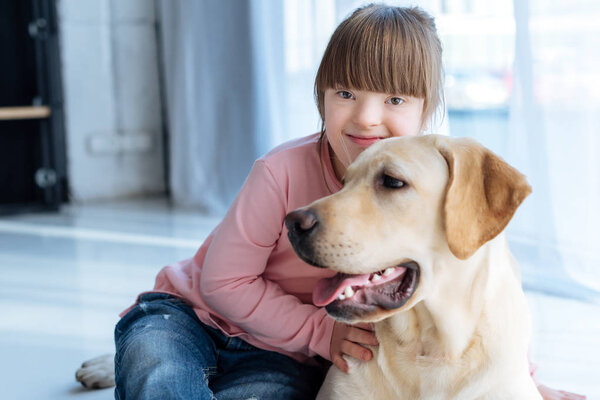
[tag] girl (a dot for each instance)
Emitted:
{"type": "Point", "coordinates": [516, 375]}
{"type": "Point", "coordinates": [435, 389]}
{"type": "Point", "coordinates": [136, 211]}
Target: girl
{"type": "Point", "coordinates": [236, 321]}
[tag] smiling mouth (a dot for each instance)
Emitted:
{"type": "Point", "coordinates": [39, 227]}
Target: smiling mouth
{"type": "Point", "coordinates": [345, 294]}
{"type": "Point", "coordinates": [364, 141]}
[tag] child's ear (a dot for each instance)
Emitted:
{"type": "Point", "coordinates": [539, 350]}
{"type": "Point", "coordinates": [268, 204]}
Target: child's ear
{"type": "Point", "coordinates": [482, 195]}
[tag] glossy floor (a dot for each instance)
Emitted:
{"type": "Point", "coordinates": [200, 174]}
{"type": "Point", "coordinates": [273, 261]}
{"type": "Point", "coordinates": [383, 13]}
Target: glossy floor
{"type": "Point", "coordinates": [65, 277]}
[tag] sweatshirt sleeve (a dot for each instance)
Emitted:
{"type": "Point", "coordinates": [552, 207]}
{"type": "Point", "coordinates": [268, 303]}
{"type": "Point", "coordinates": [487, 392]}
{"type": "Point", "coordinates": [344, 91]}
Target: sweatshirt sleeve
{"type": "Point", "coordinates": [232, 274]}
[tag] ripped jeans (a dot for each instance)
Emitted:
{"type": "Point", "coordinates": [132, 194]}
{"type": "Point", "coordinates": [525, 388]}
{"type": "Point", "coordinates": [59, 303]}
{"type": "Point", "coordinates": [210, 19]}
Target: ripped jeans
{"type": "Point", "coordinates": [165, 352]}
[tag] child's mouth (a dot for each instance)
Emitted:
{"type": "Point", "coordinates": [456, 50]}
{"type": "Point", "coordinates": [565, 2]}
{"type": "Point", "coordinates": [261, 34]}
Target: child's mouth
{"type": "Point", "coordinates": [363, 141]}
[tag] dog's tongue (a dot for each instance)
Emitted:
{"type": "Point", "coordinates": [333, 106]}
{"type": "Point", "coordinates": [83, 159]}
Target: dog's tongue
{"type": "Point", "coordinates": [327, 290]}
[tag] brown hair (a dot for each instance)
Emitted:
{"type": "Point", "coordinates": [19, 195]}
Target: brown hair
{"type": "Point", "coordinates": [384, 49]}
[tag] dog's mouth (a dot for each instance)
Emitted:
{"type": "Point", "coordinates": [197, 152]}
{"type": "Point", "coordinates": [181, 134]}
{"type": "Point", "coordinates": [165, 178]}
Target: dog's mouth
{"type": "Point", "coordinates": [389, 289]}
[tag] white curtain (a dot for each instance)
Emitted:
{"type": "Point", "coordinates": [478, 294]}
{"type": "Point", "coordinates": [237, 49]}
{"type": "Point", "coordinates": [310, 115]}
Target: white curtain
{"type": "Point", "coordinates": [554, 139]}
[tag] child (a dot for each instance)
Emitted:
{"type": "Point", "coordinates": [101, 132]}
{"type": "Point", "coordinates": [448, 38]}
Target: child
{"type": "Point", "coordinates": [236, 321]}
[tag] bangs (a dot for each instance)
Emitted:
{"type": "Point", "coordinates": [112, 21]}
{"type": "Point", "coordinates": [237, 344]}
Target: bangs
{"type": "Point", "coordinates": [376, 54]}
{"type": "Point", "coordinates": [384, 49]}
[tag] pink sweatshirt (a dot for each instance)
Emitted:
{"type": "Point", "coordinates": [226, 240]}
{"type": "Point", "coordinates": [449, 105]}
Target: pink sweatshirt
{"type": "Point", "coordinates": [246, 279]}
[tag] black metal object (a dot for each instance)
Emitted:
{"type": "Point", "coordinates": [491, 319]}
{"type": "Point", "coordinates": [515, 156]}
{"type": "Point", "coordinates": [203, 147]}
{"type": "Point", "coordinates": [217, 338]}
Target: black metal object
{"type": "Point", "coordinates": [32, 150]}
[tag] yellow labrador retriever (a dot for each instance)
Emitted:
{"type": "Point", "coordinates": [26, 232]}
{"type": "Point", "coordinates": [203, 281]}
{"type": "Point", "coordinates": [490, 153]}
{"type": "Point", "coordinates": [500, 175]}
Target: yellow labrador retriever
{"type": "Point", "coordinates": [416, 238]}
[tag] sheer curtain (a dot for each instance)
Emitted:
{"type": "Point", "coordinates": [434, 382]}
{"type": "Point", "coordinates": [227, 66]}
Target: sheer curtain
{"type": "Point", "coordinates": [554, 138]}
{"type": "Point", "coordinates": [223, 75]}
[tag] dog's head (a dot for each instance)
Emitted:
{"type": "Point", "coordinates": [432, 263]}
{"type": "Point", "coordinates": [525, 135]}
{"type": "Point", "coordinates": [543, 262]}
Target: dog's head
{"type": "Point", "coordinates": [405, 202]}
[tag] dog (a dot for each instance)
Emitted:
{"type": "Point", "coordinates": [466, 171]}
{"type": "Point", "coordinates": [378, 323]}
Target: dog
{"type": "Point", "coordinates": [416, 236]}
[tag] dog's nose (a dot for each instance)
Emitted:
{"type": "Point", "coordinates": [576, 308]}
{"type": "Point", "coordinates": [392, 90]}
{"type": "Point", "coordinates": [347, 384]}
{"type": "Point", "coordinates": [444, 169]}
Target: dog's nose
{"type": "Point", "coordinates": [301, 222]}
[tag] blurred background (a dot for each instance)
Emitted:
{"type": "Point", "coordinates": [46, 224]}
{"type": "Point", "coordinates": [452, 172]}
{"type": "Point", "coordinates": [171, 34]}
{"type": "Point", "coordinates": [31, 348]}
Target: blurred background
{"type": "Point", "coordinates": [128, 126]}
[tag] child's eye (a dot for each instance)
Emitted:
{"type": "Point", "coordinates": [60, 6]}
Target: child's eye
{"type": "Point", "coordinates": [396, 101]}
{"type": "Point", "coordinates": [344, 94]}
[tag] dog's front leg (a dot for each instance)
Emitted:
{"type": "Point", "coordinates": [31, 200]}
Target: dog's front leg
{"type": "Point", "coordinates": [353, 385]}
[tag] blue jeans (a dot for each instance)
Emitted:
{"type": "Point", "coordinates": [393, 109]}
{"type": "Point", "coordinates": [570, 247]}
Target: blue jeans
{"type": "Point", "coordinates": [165, 352]}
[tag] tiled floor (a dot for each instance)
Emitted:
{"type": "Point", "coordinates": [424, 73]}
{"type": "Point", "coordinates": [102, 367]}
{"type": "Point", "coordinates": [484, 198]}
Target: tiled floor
{"type": "Point", "coordinates": [65, 277]}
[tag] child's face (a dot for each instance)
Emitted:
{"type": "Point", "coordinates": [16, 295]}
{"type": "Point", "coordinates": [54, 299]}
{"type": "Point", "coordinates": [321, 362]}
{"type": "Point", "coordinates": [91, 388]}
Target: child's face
{"type": "Point", "coordinates": [355, 119]}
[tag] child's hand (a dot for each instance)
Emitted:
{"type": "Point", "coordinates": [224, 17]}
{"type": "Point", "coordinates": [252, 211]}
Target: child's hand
{"type": "Point", "coordinates": [553, 394]}
{"type": "Point", "coordinates": [349, 340]}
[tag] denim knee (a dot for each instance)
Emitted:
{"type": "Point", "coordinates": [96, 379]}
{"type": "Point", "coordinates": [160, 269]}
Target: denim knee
{"type": "Point", "coordinates": [162, 353]}
{"type": "Point", "coordinates": [165, 352]}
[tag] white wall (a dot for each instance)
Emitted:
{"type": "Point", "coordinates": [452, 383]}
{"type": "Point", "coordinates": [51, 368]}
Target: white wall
{"type": "Point", "coordinates": [112, 98]}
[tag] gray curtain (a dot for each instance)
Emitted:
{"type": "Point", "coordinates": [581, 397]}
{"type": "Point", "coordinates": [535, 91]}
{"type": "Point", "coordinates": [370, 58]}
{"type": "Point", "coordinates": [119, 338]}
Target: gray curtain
{"type": "Point", "coordinates": [217, 56]}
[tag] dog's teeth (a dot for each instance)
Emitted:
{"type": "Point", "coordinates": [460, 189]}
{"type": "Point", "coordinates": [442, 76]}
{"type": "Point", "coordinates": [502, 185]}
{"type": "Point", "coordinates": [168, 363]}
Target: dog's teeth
{"type": "Point", "coordinates": [389, 271]}
{"type": "Point", "coordinates": [341, 296]}
{"type": "Point", "coordinates": [375, 277]}
{"type": "Point", "coordinates": [349, 292]}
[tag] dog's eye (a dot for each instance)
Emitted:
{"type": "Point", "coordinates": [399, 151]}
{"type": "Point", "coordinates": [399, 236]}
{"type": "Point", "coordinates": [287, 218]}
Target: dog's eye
{"type": "Point", "coordinates": [392, 183]}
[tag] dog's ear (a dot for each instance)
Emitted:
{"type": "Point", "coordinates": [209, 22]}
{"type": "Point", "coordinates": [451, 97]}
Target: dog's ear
{"type": "Point", "coordinates": [482, 195]}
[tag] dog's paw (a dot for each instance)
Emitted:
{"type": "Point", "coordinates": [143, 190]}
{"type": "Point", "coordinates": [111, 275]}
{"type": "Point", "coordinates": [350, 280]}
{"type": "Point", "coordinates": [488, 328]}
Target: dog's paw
{"type": "Point", "coordinates": [97, 373]}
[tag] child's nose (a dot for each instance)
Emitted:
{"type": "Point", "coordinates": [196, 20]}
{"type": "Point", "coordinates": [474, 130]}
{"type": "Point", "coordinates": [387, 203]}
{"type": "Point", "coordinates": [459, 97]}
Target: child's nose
{"type": "Point", "coordinates": [368, 114]}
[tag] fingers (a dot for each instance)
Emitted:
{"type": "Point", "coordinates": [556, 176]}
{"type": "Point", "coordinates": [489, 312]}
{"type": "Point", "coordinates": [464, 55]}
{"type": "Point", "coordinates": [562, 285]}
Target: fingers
{"type": "Point", "coordinates": [359, 335]}
{"type": "Point", "coordinates": [355, 350]}
{"type": "Point", "coordinates": [340, 363]}
{"type": "Point", "coordinates": [350, 340]}
{"type": "Point", "coordinates": [364, 325]}
{"type": "Point", "coordinates": [553, 394]}
{"type": "Point", "coordinates": [562, 395]}
{"type": "Point", "coordinates": [572, 396]}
